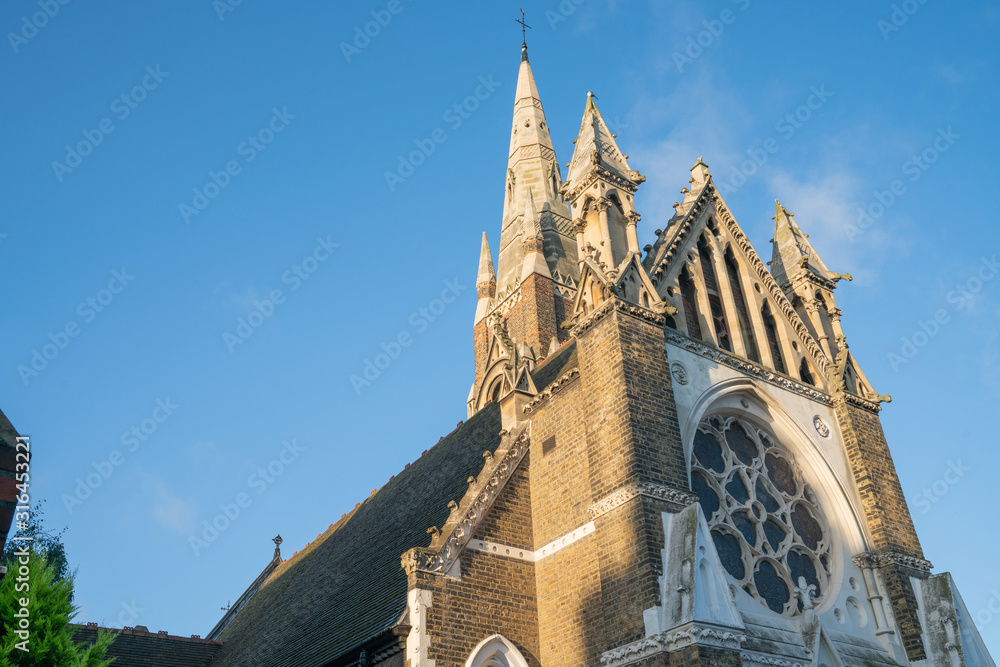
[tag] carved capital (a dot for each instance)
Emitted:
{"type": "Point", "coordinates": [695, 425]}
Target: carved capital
{"type": "Point", "coordinates": [633, 217]}
{"type": "Point", "coordinates": [602, 205]}
{"type": "Point", "coordinates": [875, 560]}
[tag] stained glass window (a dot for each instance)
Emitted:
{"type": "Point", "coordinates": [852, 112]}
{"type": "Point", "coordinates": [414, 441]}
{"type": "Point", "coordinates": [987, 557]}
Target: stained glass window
{"type": "Point", "coordinates": [765, 519]}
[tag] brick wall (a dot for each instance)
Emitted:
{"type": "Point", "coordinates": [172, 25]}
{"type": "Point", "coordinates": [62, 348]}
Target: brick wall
{"type": "Point", "coordinates": [887, 515]}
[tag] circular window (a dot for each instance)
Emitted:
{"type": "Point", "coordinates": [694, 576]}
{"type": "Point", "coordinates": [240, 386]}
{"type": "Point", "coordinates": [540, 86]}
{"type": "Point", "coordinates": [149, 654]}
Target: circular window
{"type": "Point", "coordinates": [766, 523]}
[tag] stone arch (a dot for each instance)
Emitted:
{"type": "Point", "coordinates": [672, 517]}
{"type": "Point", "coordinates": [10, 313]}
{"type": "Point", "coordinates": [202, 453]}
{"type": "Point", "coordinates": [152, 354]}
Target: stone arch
{"type": "Point", "coordinates": [496, 651]}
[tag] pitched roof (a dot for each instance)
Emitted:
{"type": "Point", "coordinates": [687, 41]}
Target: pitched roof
{"type": "Point", "coordinates": [348, 586]}
{"type": "Point", "coordinates": [8, 491]}
{"type": "Point", "coordinates": [135, 648]}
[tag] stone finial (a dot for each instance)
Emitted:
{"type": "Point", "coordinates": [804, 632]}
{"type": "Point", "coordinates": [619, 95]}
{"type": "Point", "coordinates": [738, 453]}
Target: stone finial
{"type": "Point", "coordinates": [700, 172]}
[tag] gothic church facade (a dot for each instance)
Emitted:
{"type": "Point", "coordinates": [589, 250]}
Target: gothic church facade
{"type": "Point", "coordinates": [671, 457]}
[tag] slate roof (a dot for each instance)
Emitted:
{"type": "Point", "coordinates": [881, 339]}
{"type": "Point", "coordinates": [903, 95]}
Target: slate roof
{"type": "Point", "coordinates": [348, 586]}
{"type": "Point", "coordinates": [135, 648]}
{"type": "Point", "coordinates": [8, 490]}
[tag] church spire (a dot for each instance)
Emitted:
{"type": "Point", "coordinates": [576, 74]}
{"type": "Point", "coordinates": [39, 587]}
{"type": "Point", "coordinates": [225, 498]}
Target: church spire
{"type": "Point", "coordinates": [532, 174]}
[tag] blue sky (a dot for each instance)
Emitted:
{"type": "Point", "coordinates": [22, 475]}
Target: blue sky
{"type": "Point", "coordinates": [287, 136]}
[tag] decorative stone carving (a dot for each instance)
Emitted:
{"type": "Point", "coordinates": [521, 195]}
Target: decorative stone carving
{"type": "Point", "coordinates": [670, 641]}
{"type": "Point", "coordinates": [821, 427]}
{"type": "Point", "coordinates": [612, 303]}
{"type": "Point", "coordinates": [554, 388]}
{"type": "Point", "coordinates": [679, 372]}
{"type": "Point", "coordinates": [745, 366]}
{"type": "Point", "coordinates": [679, 499]}
{"type": "Point", "coordinates": [876, 560]}
{"type": "Point", "coordinates": [757, 660]}
{"type": "Point", "coordinates": [446, 547]}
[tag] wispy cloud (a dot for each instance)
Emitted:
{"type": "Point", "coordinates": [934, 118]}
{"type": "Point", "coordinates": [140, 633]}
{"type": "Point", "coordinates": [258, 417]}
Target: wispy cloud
{"type": "Point", "coordinates": [168, 509]}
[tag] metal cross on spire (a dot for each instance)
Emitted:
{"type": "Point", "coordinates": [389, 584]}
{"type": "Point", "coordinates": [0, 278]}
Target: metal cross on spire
{"type": "Point", "coordinates": [523, 26]}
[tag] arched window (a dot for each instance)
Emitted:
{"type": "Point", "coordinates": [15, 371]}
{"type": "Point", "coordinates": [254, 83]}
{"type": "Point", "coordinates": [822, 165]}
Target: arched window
{"type": "Point", "coordinates": [746, 326]}
{"type": "Point", "coordinates": [772, 339]}
{"type": "Point", "coordinates": [689, 299]}
{"type": "Point", "coordinates": [714, 300]}
{"type": "Point", "coordinates": [804, 372]}
{"type": "Point", "coordinates": [496, 651]}
{"type": "Point", "coordinates": [495, 390]}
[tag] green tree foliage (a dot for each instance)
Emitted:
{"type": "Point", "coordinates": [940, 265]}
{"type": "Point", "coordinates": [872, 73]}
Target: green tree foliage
{"type": "Point", "coordinates": [39, 634]}
{"type": "Point", "coordinates": [47, 543]}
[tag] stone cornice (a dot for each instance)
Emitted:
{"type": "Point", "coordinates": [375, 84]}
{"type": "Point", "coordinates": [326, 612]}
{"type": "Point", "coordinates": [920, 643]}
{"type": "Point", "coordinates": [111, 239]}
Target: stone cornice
{"type": "Point", "coordinates": [670, 641]}
{"type": "Point", "coordinates": [615, 303]}
{"type": "Point", "coordinates": [446, 547]}
{"type": "Point", "coordinates": [871, 559]}
{"type": "Point", "coordinates": [554, 387]}
{"type": "Point", "coordinates": [599, 171]}
{"type": "Point", "coordinates": [677, 498]}
{"type": "Point", "coordinates": [747, 367]}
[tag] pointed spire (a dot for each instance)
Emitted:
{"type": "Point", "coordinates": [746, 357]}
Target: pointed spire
{"type": "Point", "coordinates": [487, 277]}
{"type": "Point", "coordinates": [793, 253]}
{"type": "Point", "coordinates": [486, 281]}
{"type": "Point", "coordinates": [532, 160]}
{"type": "Point", "coordinates": [595, 145]}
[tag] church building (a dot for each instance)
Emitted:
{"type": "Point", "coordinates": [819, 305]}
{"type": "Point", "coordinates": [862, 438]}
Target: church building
{"type": "Point", "coordinates": [671, 457]}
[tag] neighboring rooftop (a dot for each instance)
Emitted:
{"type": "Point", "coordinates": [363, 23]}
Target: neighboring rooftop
{"type": "Point", "coordinates": [137, 647]}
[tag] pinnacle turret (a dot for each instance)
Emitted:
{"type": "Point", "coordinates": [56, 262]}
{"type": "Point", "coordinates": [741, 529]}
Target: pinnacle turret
{"type": "Point", "coordinates": [486, 280]}
{"type": "Point", "coordinates": [531, 241]}
{"type": "Point", "coordinates": [793, 254]}
{"type": "Point", "coordinates": [596, 147]}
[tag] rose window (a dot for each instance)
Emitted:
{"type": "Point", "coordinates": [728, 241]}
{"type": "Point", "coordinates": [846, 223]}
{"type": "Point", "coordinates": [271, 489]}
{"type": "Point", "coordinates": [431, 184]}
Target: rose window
{"type": "Point", "coordinates": [765, 520]}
